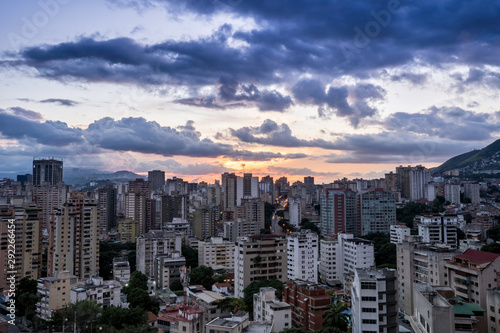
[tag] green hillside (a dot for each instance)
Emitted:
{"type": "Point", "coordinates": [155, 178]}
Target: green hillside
{"type": "Point", "coordinates": [468, 159]}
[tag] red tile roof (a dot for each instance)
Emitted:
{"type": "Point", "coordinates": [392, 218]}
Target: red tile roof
{"type": "Point", "coordinates": [477, 257]}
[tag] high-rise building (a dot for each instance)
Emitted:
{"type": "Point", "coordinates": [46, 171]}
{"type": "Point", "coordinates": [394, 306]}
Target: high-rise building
{"type": "Point", "coordinates": [373, 297]}
{"type": "Point", "coordinates": [419, 262]}
{"type": "Point", "coordinates": [438, 228]}
{"type": "Point", "coordinates": [140, 186]}
{"type": "Point", "coordinates": [246, 187]}
{"type": "Point", "coordinates": [229, 190]}
{"type": "Point", "coordinates": [204, 223]}
{"type": "Point", "coordinates": [135, 208]}
{"type": "Point", "coordinates": [167, 269]}
{"type": "Point", "coordinates": [216, 253]}
{"type": "Point", "coordinates": [295, 211]}
{"type": "Point", "coordinates": [452, 193]}
{"type": "Point", "coordinates": [302, 256]}
{"type": "Point", "coordinates": [107, 205]}
{"type": "Point", "coordinates": [471, 191]}
{"type": "Point", "coordinates": [74, 238]}
{"type": "Point", "coordinates": [157, 179]}
{"type": "Point", "coordinates": [412, 181]}
{"type": "Point", "coordinates": [338, 211]}
{"type": "Point", "coordinates": [259, 257]}
{"type": "Point", "coordinates": [173, 206]}
{"type": "Point", "coordinates": [22, 222]}
{"type": "Point", "coordinates": [376, 211]}
{"type": "Point", "coordinates": [47, 171]}
{"type": "Point", "coordinates": [49, 197]}
{"type": "Point", "coordinates": [266, 186]}
{"type": "Point", "coordinates": [253, 211]}
{"type": "Point", "coordinates": [341, 255]}
{"type": "Point", "coordinates": [153, 244]}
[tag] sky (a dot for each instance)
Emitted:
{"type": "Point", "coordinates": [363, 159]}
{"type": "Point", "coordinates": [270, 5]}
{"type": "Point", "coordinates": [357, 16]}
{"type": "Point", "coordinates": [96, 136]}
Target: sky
{"type": "Point", "coordinates": [196, 88]}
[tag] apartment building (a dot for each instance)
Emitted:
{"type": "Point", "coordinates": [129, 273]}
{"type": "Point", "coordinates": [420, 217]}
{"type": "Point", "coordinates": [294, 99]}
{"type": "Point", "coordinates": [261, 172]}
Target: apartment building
{"type": "Point", "coordinates": [153, 244]}
{"type": "Point", "coordinates": [216, 253]}
{"type": "Point", "coordinates": [259, 257]}
{"type": "Point", "coordinates": [302, 256]}
{"type": "Point", "coordinates": [266, 307]}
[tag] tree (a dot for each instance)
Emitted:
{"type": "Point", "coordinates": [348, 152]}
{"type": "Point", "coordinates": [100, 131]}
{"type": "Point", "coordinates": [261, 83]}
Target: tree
{"type": "Point", "coordinates": [26, 298]}
{"type": "Point", "coordinates": [203, 275]}
{"type": "Point", "coordinates": [140, 298]}
{"type": "Point", "coordinates": [137, 280]}
{"type": "Point", "coordinates": [232, 304]}
{"type": "Point", "coordinates": [494, 233]}
{"type": "Point", "coordinates": [254, 288]}
{"type": "Point", "coordinates": [386, 256]}
{"type": "Point", "coordinates": [176, 285]}
{"type": "Point", "coordinates": [493, 248]}
{"type": "Point", "coordinates": [85, 313]}
{"type": "Point", "coordinates": [311, 226]}
{"type": "Point", "coordinates": [119, 318]}
{"type": "Point", "coordinates": [336, 315]}
{"type": "Point", "coordinates": [191, 256]}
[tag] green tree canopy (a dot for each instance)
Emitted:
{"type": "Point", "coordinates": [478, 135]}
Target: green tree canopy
{"type": "Point", "coordinates": [493, 248]}
{"type": "Point", "coordinates": [254, 288]}
{"type": "Point", "coordinates": [336, 316]}
{"type": "Point", "coordinates": [119, 318]}
{"type": "Point", "coordinates": [232, 304]}
{"type": "Point", "coordinates": [203, 275]}
{"type": "Point", "coordinates": [191, 256]}
{"type": "Point", "coordinates": [26, 298]}
{"type": "Point", "coordinates": [140, 298]}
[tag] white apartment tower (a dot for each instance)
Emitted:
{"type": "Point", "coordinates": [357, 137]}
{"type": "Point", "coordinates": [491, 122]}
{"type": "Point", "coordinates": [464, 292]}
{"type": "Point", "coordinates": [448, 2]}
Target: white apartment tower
{"type": "Point", "coordinates": [438, 228]}
{"type": "Point", "coordinates": [302, 256]}
{"type": "Point", "coordinates": [341, 255]}
{"type": "Point", "coordinates": [373, 297]}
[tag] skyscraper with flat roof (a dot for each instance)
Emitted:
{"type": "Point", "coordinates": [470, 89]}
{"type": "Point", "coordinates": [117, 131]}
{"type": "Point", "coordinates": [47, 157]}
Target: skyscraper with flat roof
{"type": "Point", "coordinates": [47, 171]}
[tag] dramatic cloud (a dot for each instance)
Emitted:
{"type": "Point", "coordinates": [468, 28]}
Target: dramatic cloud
{"type": "Point", "coordinates": [352, 102]}
{"type": "Point", "coordinates": [55, 133]}
{"type": "Point", "coordinates": [60, 101]}
{"type": "Point", "coordinates": [127, 135]}
{"type": "Point", "coordinates": [451, 123]}
{"type": "Point", "coordinates": [383, 147]}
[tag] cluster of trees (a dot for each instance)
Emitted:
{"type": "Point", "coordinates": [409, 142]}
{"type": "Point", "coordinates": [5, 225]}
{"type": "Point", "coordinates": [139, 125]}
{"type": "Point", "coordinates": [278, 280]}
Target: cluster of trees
{"type": "Point", "coordinates": [385, 251]}
{"type": "Point", "coordinates": [88, 316]}
{"type": "Point", "coordinates": [108, 251]}
{"type": "Point", "coordinates": [137, 293]}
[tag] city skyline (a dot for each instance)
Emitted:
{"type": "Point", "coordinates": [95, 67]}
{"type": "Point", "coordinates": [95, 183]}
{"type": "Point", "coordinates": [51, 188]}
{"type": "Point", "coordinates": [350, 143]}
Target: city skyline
{"type": "Point", "coordinates": [199, 88]}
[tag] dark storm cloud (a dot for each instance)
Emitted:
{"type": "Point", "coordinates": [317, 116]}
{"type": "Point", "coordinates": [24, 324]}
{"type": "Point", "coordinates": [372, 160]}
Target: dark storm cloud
{"type": "Point", "coordinates": [335, 99]}
{"type": "Point", "coordinates": [230, 90]}
{"type": "Point", "coordinates": [60, 101]}
{"type": "Point", "coordinates": [367, 148]}
{"type": "Point", "coordinates": [55, 133]}
{"type": "Point", "coordinates": [451, 123]}
{"type": "Point", "coordinates": [325, 38]}
{"type": "Point", "coordinates": [126, 135]}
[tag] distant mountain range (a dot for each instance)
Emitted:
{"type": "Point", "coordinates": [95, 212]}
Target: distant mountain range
{"type": "Point", "coordinates": [476, 161]}
{"type": "Point", "coordinates": [80, 176]}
